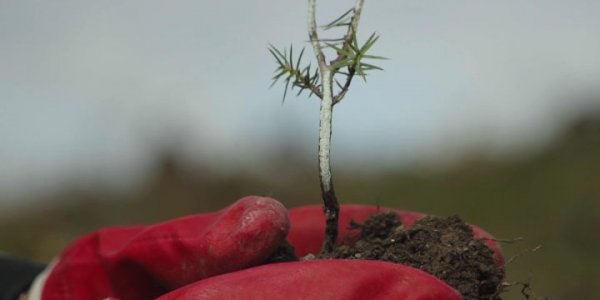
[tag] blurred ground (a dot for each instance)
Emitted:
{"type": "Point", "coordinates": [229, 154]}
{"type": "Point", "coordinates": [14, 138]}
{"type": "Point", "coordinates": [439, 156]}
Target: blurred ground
{"type": "Point", "coordinates": [550, 199]}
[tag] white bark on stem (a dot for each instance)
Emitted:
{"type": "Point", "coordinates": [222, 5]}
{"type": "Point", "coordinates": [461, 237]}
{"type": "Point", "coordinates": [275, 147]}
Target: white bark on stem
{"type": "Point", "coordinates": [331, 206]}
{"type": "Point", "coordinates": [325, 130]}
{"type": "Point", "coordinates": [312, 34]}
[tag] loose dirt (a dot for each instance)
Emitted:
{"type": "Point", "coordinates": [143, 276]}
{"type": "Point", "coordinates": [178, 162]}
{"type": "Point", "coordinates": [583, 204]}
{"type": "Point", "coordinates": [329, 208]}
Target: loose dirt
{"type": "Point", "coordinates": [443, 247]}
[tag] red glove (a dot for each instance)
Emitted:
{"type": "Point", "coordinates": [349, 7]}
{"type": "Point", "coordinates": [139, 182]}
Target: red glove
{"type": "Point", "coordinates": [145, 262]}
{"type": "Point", "coordinates": [328, 279]}
{"type": "Point", "coordinates": [332, 279]}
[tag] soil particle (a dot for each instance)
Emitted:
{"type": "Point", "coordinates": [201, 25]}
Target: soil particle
{"type": "Point", "coordinates": [283, 253]}
{"type": "Point", "coordinates": [443, 247]}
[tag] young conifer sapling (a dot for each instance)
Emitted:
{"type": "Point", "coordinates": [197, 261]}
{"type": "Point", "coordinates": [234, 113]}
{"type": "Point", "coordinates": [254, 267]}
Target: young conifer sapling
{"type": "Point", "coordinates": [330, 82]}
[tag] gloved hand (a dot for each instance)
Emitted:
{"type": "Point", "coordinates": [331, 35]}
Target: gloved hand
{"type": "Point", "coordinates": [328, 279]}
{"type": "Point", "coordinates": [144, 262]}
{"type": "Point", "coordinates": [148, 261]}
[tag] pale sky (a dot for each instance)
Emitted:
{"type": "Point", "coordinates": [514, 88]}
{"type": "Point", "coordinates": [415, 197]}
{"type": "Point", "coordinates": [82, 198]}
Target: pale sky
{"type": "Point", "coordinates": [90, 89]}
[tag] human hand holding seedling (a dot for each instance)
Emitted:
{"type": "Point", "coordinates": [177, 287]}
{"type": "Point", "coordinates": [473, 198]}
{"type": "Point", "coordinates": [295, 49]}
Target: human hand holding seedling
{"type": "Point", "coordinates": [227, 254]}
{"type": "Point", "coordinates": [348, 63]}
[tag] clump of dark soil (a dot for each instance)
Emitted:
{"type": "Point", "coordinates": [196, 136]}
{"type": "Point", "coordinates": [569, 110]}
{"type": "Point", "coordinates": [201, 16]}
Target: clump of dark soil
{"type": "Point", "coordinates": [443, 247]}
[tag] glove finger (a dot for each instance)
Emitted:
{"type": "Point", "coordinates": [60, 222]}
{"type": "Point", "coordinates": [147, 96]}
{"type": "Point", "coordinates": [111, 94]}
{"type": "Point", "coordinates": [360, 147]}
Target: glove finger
{"type": "Point", "coordinates": [188, 249]}
{"type": "Point", "coordinates": [145, 262]}
{"type": "Point", "coordinates": [320, 279]}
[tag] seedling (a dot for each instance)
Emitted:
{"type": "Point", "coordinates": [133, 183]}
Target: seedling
{"type": "Point", "coordinates": [330, 82]}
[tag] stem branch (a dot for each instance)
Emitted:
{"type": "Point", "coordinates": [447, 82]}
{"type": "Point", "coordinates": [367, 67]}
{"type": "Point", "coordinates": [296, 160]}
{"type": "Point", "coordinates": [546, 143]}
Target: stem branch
{"type": "Point", "coordinates": [350, 34]}
{"type": "Point", "coordinates": [312, 34]}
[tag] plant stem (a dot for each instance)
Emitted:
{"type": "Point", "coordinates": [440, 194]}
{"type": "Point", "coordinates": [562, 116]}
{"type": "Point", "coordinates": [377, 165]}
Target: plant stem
{"type": "Point", "coordinates": [331, 206]}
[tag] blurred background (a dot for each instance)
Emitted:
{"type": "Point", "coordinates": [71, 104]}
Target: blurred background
{"type": "Point", "coordinates": [131, 112]}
